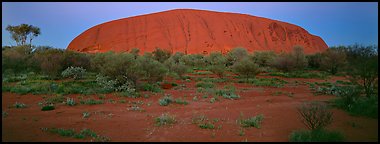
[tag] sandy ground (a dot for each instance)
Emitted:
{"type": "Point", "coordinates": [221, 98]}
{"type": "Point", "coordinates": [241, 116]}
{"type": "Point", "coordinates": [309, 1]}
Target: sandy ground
{"type": "Point", "coordinates": [120, 124]}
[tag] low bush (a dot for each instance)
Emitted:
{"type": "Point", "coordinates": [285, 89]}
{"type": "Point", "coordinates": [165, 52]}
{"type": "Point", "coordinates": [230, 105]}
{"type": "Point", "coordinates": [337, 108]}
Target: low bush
{"type": "Point", "coordinates": [272, 82]}
{"type": "Point", "coordinates": [166, 100]}
{"type": "Point", "coordinates": [228, 93]}
{"type": "Point", "coordinates": [70, 101]}
{"type": "Point", "coordinates": [150, 87]}
{"type": "Point", "coordinates": [47, 108]}
{"type": "Point", "coordinates": [206, 125]}
{"type": "Point", "coordinates": [84, 133]}
{"type": "Point", "coordinates": [91, 102]}
{"type": "Point", "coordinates": [252, 122]}
{"type": "Point", "coordinates": [202, 72]}
{"type": "Point", "coordinates": [165, 119]}
{"type": "Point", "coordinates": [219, 70]}
{"type": "Point", "coordinates": [74, 72]}
{"type": "Point", "coordinates": [316, 136]}
{"type": "Point", "coordinates": [315, 115]}
{"type": "Point", "coordinates": [363, 106]}
{"type": "Point", "coordinates": [180, 101]}
{"type": "Point", "coordinates": [55, 99]}
{"type": "Point", "coordinates": [300, 74]}
{"type": "Point", "coordinates": [205, 84]}
{"type": "Point", "coordinates": [247, 68]}
{"type": "Point", "coordinates": [19, 105]}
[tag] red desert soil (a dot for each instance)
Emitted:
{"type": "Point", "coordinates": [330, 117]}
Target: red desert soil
{"type": "Point", "coordinates": [195, 31]}
{"type": "Point", "coordinates": [120, 124]}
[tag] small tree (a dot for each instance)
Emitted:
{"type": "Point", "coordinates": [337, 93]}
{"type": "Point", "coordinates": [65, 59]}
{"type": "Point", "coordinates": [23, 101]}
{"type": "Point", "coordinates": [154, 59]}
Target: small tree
{"type": "Point", "coordinates": [314, 61]}
{"type": "Point", "coordinates": [284, 62]}
{"type": "Point", "coordinates": [247, 68]}
{"type": "Point", "coordinates": [216, 58]}
{"type": "Point", "coordinates": [235, 55]}
{"type": "Point", "coordinates": [50, 60]}
{"type": "Point", "coordinates": [15, 59]}
{"type": "Point", "coordinates": [298, 55]}
{"type": "Point", "coordinates": [194, 60]}
{"type": "Point", "coordinates": [151, 69]}
{"type": "Point", "coordinates": [180, 69]}
{"type": "Point", "coordinates": [264, 58]}
{"type": "Point", "coordinates": [175, 65]}
{"type": "Point", "coordinates": [333, 60]}
{"type": "Point", "coordinates": [135, 52]}
{"type": "Point", "coordinates": [363, 67]}
{"type": "Point", "coordinates": [21, 33]}
{"type": "Point", "coordinates": [217, 69]}
{"type": "Point", "coordinates": [117, 66]}
{"type": "Point", "coordinates": [161, 55]}
{"type": "Point", "coordinates": [315, 115]}
{"type": "Point", "coordinates": [217, 63]}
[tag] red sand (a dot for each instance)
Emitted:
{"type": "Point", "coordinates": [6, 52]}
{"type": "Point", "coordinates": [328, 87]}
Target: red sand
{"type": "Point", "coordinates": [116, 122]}
{"type": "Point", "coordinates": [195, 31]}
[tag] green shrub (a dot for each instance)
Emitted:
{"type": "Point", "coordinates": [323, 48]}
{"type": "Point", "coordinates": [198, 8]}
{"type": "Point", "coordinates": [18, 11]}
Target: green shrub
{"type": "Point", "coordinates": [247, 68]}
{"type": "Point", "coordinates": [205, 84]}
{"type": "Point", "coordinates": [121, 67]}
{"type": "Point", "coordinates": [180, 101]}
{"type": "Point", "coordinates": [48, 108]}
{"type": "Point", "coordinates": [273, 82]}
{"type": "Point", "coordinates": [136, 108]}
{"type": "Point", "coordinates": [86, 114]}
{"type": "Point", "coordinates": [107, 85]}
{"type": "Point", "coordinates": [55, 99]}
{"type": "Point", "coordinates": [316, 136]}
{"type": "Point", "coordinates": [314, 61]}
{"type": "Point", "coordinates": [235, 55]}
{"type": "Point", "coordinates": [206, 125]}
{"type": "Point", "coordinates": [161, 55]}
{"type": "Point", "coordinates": [217, 69]}
{"type": "Point", "coordinates": [19, 105]}
{"type": "Point", "coordinates": [74, 72]}
{"type": "Point", "coordinates": [212, 80]}
{"type": "Point", "coordinates": [264, 58]}
{"type": "Point", "coordinates": [227, 93]}
{"type": "Point", "coordinates": [165, 119]}
{"type": "Point", "coordinates": [194, 60]}
{"type": "Point", "coordinates": [252, 122]}
{"type": "Point", "coordinates": [63, 132]}
{"type": "Point", "coordinates": [199, 119]}
{"type": "Point", "coordinates": [91, 102]}
{"type": "Point", "coordinates": [364, 106]}
{"type": "Point", "coordinates": [150, 87]}
{"type": "Point", "coordinates": [212, 100]}
{"type": "Point", "coordinates": [299, 57]}
{"type": "Point", "coordinates": [166, 100]}
{"type": "Point", "coordinates": [151, 69]}
{"type": "Point", "coordinates": [70, 101]}
{"type": "Point", "coordinates": [284, 62]}
{"type": "Point", "coordinates": [202, 72]}
{"type": "Point", "coordinates": [84, 133]}
{"type": "Point", "coordinates": [333, 60]}
{"type": "Point", "coordinates": [300, 74]}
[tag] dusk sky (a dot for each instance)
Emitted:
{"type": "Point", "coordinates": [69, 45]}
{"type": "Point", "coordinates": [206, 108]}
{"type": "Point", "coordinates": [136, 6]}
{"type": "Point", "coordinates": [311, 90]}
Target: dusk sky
{"type": "Point", "coordinates": [336, 23]}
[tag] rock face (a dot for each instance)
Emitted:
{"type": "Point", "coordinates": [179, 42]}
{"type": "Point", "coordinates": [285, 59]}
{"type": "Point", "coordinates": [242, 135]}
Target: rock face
{"type": "Point", "coordinates": [195, 31]}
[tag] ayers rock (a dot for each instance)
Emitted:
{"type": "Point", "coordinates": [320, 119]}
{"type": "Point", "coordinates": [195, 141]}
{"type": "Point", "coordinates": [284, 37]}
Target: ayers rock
{"type": "Point", "coordinates": [195, 31]}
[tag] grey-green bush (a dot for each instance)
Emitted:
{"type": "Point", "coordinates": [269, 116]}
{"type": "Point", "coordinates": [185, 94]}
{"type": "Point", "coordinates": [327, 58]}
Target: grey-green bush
{"type": "Point", "coordinates": [74, 72]}
{"type": "Point", "coordinates": [246, 68]}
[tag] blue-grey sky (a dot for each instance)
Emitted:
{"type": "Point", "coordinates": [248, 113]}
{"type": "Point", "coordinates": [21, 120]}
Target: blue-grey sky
{"type": "Point", "coordinates": [339, 23]}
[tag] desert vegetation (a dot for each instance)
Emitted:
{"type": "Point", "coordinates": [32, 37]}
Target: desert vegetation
{"type": "Point", "coordinates": [168, 82]}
